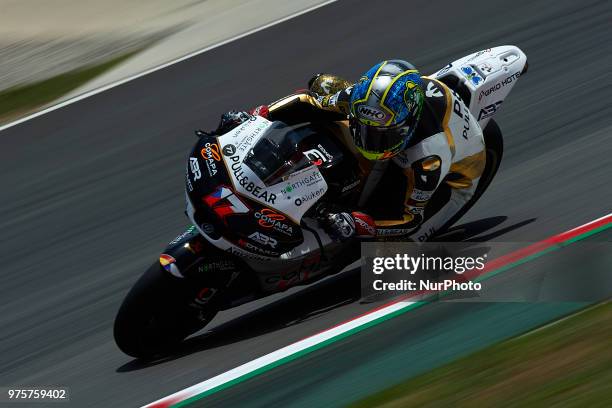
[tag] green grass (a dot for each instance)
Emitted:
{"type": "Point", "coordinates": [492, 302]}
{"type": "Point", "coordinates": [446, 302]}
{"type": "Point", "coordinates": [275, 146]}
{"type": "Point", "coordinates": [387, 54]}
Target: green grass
{"type": "Point", "coordinates": [566, 364]}
{"type": "Point", "coordinates": [20, 100]}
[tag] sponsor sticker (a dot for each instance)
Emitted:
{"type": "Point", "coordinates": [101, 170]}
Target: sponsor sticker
{"type": "Point", "coordinates": [195, 168]}
{"type": "Point", "coordinates": [499, 85]}
{"type": "Point", "coordinates": [392, 231]}
{"type": "Point", "coordinates": [254, 248]}
{"type": "Point", "coordinates": [188, 182]}
{"type": "Point", "coordinates": [478, 54]}
{"type": "Point", "coordinates": [471, 74]}
{"type": "Point", "coordinates": [445, 69]}
{"type": "Point", "coordinates": [257, 191]}
{"type": "Point", "coordinates": [218, 265]}
{"type": "Point", "coordinates": [363, 227]}
{"type": "Point", "coordinates": [224, 202]}
{"type": "Point", "coordinates": [263, 239]}
{"type": "Point", "coordinates": [169, 264]}
{"type": "Point", "coordinates": [211, 151]}
{"type": "Point", "coordinates": [229, 150]}
{"type": "Point", "coordinates": [204, 295]}
{"type": "Point", "coordinates": [465, 116]}
{"type": "Point", "coordinates": [187, 232]}
{"type": "Point", "coordinates": [489, 110]}
{"type": "Point", "coordinates": [350, 186]}
{"type": "Point", "coordinates": [306, 181]}
{"type": "Point", "coordinates": [246, 254]}
{"type": "Point", "coordinates": [268, 218]}
{"type": "Point", "coordinates": [371, 113]}
{"type": "Point", "coordinates": [210, 154]}
{"type": "Point", "coordinates": [208, 229]}
{"type": "Point", "coordinates": [426, 235]}
{"type": "Point", "coordinates": [318, 156]}
{"type": "Point", "coordinates": [309, 196]}
{"type": "Point", "coordinates": [433, 91]}
{"type": "Point", "coordinates": [248, 140]}
{"type": "Point", "coordinates": [485, 67]}
{"type": "Point", "coordinates": [420, 195]}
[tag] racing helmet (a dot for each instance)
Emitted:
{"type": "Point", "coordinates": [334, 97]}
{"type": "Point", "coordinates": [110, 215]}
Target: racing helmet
{"type": "Point", "coordinates": [385, 108]}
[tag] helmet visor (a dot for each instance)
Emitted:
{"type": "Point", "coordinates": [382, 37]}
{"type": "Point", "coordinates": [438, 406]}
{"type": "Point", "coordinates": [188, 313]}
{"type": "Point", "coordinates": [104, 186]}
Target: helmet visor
{"type": "Point", "coordinates": [379, 143]}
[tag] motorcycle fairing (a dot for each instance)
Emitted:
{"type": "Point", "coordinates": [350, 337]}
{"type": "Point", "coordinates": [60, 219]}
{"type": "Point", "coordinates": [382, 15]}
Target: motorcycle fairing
{"type": "Point", "coordinates": [484, 79]}
{"type": "Point", "coordinates": [234, 208]}
{"type": "Point", "coordinates": [293, 202]}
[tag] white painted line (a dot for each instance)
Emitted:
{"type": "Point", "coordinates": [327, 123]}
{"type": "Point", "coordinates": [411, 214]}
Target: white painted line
{"type": "Point", "coordinates": [159, 67]}
{"type": "Point", "coordinates": [277, 355]}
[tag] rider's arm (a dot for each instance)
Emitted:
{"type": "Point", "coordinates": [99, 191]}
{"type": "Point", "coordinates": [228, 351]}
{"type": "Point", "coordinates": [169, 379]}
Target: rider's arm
{"type": "Point", "coordinates": [292, 109]}
{"type": "Point", "coordinates": [295, 108]}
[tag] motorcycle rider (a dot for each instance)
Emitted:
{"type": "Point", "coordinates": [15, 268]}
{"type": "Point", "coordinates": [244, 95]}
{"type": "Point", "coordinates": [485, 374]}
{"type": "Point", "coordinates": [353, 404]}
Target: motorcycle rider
{"type": "Point", "coordinates": [418, 135]}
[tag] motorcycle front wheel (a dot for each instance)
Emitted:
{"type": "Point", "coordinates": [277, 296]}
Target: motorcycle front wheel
{"type": "Point", "coordinates": [155, 317]}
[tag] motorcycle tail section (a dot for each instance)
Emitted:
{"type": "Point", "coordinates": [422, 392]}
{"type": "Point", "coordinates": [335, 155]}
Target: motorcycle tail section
{"type": "Point", "coordinates": [484, 79]}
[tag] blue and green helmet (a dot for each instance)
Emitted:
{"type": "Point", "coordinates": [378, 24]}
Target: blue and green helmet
{"type": "Point", "coordinates": [385, 106]}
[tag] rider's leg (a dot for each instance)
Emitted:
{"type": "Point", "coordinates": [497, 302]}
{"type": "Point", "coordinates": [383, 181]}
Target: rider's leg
{"type": "Point", "coordinates": [459, 197]}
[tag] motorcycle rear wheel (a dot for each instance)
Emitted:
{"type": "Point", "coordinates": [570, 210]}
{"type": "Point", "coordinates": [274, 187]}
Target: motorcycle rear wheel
{"type": "Point", "coordinates": [155, 317]}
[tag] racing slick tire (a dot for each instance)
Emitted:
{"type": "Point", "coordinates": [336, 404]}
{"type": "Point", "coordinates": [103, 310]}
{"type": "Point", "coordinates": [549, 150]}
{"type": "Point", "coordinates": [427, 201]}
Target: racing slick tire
{"type": "Point", "coordinates": [155, 316]}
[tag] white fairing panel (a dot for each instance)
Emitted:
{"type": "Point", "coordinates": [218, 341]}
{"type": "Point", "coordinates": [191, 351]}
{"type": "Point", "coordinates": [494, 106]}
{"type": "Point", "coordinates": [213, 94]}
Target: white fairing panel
{"type": "Point", "coordinates": [489, 75]}
{"type": "Point", "coordinates": [292, 197]}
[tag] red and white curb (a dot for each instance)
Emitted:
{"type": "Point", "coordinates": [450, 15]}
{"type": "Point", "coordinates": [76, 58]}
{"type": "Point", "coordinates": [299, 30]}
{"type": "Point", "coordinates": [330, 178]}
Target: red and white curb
{"type": "Point", "coordinates": [342, 330]}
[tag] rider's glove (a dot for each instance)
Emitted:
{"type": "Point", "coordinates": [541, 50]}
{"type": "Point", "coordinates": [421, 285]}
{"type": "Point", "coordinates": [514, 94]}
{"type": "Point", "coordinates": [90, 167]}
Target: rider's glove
{"type": "Point", "coordinates": [261, 110]}
{"type": "Point", "coordinates": [202, 133]}
{"type": "Point", "coordinates": [343, 225]}
{"type": "Point", "coordinates": [230, 120]}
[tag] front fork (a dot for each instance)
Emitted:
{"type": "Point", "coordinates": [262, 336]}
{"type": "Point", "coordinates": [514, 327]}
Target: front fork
{"type": "Point", "coordinates": [214, 278]}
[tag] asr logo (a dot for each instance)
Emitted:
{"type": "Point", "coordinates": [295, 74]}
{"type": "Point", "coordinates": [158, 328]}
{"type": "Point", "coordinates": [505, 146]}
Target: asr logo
{"type": "Point", "coordinates": [263, 239]}
{"type": "Point", "coordinates": [195, 168]}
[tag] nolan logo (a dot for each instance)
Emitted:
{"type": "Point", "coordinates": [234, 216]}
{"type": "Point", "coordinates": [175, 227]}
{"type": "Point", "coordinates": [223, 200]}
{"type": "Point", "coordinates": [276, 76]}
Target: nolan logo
{"type": "Point", "coordinates": [370, 113]}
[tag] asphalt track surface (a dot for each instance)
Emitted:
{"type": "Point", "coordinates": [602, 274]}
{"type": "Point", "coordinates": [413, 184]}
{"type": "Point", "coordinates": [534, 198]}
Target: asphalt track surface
{"type": "Point", "coordinates": [92, 192]}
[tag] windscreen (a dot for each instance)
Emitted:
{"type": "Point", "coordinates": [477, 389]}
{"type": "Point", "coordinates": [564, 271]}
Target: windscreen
{"type": "Point", "coordinates": [279, 152]}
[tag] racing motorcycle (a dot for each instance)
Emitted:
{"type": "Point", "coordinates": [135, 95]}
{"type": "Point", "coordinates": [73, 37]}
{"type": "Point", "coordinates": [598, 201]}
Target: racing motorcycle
{"type": "Point", "coordinates": [252, 196]}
